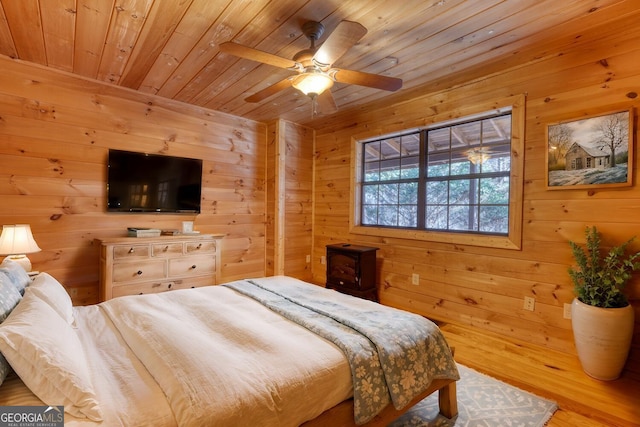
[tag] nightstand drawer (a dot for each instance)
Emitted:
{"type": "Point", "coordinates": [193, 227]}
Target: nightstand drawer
{"type": "Point", "coordinates": [135, 271]}
{"type": "Point", "coordinates": [195, 265]}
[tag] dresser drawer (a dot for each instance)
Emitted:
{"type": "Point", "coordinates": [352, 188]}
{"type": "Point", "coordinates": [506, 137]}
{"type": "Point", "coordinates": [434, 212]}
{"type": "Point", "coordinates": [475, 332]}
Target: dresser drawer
{"type": "Point", "coordinates": [195, 265]}
{"type": "Point", "coordinates": [136, 271]}
{"type": "Point", "coordinates": [142, 288]}
{"type": "Point", "coordinates": [205, 247]}
{"type": "Point", "coordinates": [166, 249]}
{"type": "Point", "coordinates": [130, 251]}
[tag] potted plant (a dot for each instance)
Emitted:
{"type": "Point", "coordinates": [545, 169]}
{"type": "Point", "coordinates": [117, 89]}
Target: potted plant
{"type": "Point", "coordinates": [601, 316]}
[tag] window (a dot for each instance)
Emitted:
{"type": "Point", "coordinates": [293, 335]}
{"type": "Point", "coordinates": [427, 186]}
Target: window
{"type": "Point", "coordinates": [453, 182]}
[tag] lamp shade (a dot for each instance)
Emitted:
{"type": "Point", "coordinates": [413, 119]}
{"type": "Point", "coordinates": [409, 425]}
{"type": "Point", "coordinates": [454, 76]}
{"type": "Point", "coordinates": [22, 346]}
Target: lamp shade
{"type": "Point", "coordinates": [17, 239]}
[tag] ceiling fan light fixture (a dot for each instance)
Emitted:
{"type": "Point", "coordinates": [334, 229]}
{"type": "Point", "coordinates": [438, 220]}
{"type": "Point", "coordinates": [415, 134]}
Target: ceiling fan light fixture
{"type": "Point", "coordinates": [477, 156]}
{"type": "Point", "coordinates": [312, 82]}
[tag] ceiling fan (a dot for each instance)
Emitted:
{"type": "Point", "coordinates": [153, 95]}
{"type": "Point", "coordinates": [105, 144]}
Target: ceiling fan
{"type": "Point", "coordinates": [315, 74]}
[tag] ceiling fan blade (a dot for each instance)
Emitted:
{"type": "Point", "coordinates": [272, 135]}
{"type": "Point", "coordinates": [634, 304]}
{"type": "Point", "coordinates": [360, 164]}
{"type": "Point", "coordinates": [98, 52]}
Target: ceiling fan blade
{"type": "Point", "coordinates": [346, 34]}
{"type": "Point", "coordinates": [327, 103]}
{"type": "Point", "coordinates": [360, 78]}
{"type": "Point", "coordinates": [257, 55]}
{"type": "Point", "coordinates": [269, 90]}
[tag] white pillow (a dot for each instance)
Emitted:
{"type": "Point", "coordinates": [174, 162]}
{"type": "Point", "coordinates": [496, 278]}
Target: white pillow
{"type": "Point", "coordinates": [46, 353]}
{"type": "Point", "coordinates": [48, 289]}
{"type": "Point", "coordinates": [15, 273]}
{"type": "Point", "coordinates": [9, 298]}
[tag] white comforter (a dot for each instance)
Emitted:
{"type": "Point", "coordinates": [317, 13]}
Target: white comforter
{"type": "Point", "coordinates": [225, 360]}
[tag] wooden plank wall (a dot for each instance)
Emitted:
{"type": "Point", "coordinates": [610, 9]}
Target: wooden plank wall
{"type": "Point", "coordinates": [298, 212]}
{"type": "Point", "coordinates": [289, 199]}
{"type": "Point", "coordinates": [55, 131]}
{"type": "Point", "coordinates": [594, 69]}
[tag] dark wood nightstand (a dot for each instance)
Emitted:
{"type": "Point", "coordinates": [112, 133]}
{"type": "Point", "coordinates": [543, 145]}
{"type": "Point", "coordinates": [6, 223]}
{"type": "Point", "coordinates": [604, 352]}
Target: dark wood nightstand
{"type": "Point", "coordinates": [351, 269]}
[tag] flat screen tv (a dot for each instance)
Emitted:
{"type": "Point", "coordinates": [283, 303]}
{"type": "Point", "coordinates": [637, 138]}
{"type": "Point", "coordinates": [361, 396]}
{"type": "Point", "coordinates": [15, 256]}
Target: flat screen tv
{"type": "Point", "coordinates": [139, 182]}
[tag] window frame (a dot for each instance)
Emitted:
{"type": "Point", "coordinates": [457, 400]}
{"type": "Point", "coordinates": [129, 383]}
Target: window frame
{"type": "Point", "coordinates": [513, 239]}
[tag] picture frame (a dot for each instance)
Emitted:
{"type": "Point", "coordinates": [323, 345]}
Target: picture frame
{"type": "Point", "coordinates": [590, 152]}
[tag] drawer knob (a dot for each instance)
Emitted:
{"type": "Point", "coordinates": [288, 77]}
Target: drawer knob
{"type": "Point", "coordinates": [169, 286]}
{"type": "Point", "coordinates": [166, 248]}
{"type": "Point", "coordinates": [199, 246]}
{"type": "Point", "coordinates": [131, 250]}
{"type": "Point", "coordinates": [193, 267]}
{"type": "Point", "coordinates": [139, 273]}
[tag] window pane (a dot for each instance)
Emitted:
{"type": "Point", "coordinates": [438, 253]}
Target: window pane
{"type": "Point", "coordinates": [436, 217]}
{"type": "Point", "coordinates": [410, 167]}
{"type": "Point", "coordinates": [389, 169]}
{"type": "Point", "coordinates": [461, 166]}
{"type": "Point", "coordinates": [370, 194]}
{"type": "Point", "coordinates": [496, 164]}
{"type": "Point", "coordinates": [438, 140]}
{"type": "Point", "coordinates": [494, 191]}
{"type": "Point", "coordinates": [463, 192]}
{"type": "Point", "coordinates": [370, 215]}
{"type": "Point", "coordinates": [465, 135]}
{"type": "Point", "coordinates": [438, 150]}
{"type": "Point", "coordinates": [463, 218]}
{"type": "Point", "coordinates": [437, 192]}
{"type": "Point", "coordinates": [388, 194]}
{"type": "Point", "coordinates": [438, 169]}
{"type": "Point", "coordinates": [371, 172]}
{"type": "Point", "coordinates": [388, 215]}
{"type": "Point", "coordinates": [372, 151]}
{"type": "Point", "coordinates": [494, 219]}
{"type": "Point", "coordinates": [408, 193]}
{"type": "Point", "coordinates": [408, 216]}
{"type": "Point", "coordinates": [372, 157]}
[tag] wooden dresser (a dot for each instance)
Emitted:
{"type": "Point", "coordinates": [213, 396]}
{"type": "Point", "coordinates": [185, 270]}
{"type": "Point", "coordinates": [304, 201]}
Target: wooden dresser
{"type": "Point", "coordinates": [136, 265]}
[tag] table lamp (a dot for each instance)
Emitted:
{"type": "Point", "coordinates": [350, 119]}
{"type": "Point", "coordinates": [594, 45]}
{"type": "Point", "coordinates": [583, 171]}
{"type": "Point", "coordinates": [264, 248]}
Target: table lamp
{"type": "Point", "coordinates": [16, 241]}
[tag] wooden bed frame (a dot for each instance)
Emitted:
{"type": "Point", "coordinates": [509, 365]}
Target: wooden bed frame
{"type": "Point", "coordinates": [341, 415]}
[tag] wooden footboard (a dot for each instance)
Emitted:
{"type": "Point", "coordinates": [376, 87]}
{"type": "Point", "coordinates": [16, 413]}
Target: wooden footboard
{"type": "Point", "coordinates": [341, 415]}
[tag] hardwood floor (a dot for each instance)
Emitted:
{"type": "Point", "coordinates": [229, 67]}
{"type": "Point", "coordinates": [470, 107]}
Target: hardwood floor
{"type": "Point", "coordinates": [582, 400]}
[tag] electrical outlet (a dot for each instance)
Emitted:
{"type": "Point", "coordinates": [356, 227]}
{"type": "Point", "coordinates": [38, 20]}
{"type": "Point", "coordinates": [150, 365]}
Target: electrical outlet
{"type": "Point", "coordinates": [415, 279]}
{"type": "Point", "coordinates": [566, 313]}
{"type": "Point", "coordinates": [529, 303]}
{"type": "Point", "coordinates": [308, 259]}
{"type": "Point", "coordinates": [323, 260]}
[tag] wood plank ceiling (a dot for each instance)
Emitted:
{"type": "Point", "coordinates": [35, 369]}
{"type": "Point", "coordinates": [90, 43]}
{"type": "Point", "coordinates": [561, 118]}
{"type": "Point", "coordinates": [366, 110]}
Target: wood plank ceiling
{"type": "Point", "coordinates": [171, 47]}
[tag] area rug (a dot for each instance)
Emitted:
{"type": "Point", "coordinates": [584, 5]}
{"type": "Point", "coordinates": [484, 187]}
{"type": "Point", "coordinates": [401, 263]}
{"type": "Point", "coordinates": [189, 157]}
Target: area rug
{"type": "Point", "coordinates": [482, 402]}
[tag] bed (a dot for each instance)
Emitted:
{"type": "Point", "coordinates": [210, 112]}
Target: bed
{"type": "Point", "coordinates": [273, 351]}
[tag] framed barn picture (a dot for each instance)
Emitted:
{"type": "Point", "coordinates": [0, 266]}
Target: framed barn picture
{"type": "Point", "coordinates": [593, 151]}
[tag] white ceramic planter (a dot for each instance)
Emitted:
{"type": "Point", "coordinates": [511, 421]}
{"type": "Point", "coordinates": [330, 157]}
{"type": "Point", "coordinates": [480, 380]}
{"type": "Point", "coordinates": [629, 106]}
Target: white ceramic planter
{"type": "Point", "coordinates": [602, 337]}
